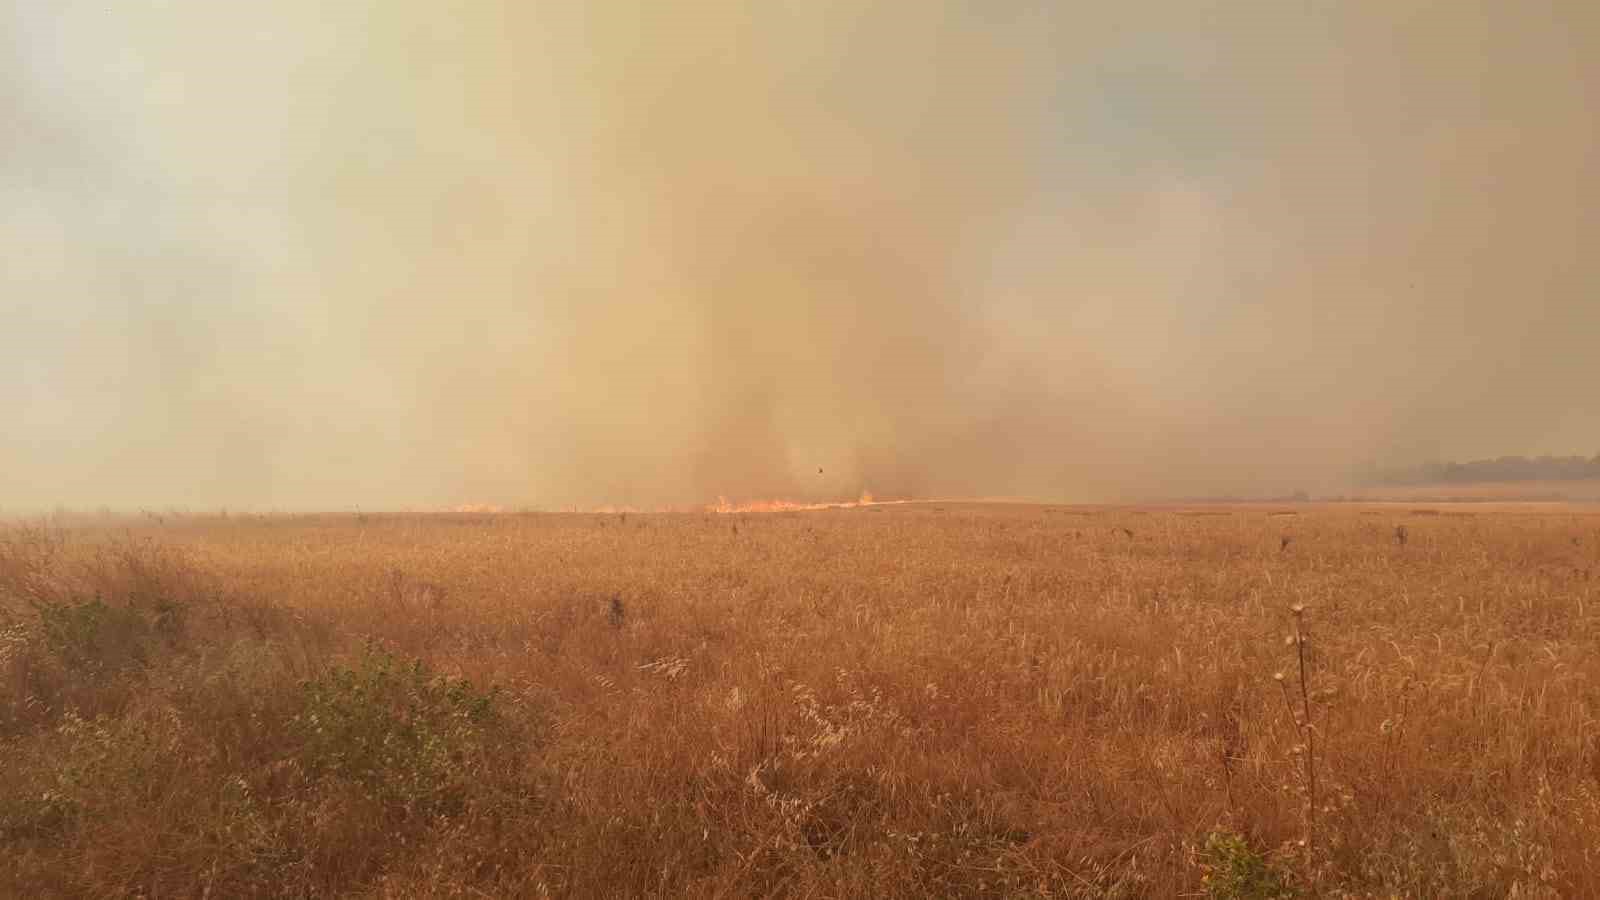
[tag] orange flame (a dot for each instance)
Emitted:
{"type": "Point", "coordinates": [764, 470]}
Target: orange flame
{"type": "Point", "coordinates": [723, 505]}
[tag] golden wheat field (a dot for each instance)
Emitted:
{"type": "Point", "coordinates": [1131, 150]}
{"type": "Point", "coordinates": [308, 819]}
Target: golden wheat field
{"type": "Point", "coordinates": [918, 700]}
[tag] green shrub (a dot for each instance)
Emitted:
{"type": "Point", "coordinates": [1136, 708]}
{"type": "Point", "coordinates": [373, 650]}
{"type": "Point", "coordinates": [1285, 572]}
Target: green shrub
{"type": "Point", "coordinates": [409, 738]}
{"type": "Point", "coordinates": [1235, 871]}
{"type": "Point", "coordinates": [93, 638]}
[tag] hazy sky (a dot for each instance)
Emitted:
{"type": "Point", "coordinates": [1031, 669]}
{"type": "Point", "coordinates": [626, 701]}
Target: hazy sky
{"type": "Point", "coordinates": [310, 254]}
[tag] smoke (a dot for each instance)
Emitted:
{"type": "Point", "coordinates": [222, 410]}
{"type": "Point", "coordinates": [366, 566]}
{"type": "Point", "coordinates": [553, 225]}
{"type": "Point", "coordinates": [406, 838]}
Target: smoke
{"type": "Point", "coordinates": [395, 253]}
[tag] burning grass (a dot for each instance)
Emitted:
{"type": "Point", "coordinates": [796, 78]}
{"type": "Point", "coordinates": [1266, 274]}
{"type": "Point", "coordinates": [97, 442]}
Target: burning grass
{"type": "Point", "coordinates": [950, 700]}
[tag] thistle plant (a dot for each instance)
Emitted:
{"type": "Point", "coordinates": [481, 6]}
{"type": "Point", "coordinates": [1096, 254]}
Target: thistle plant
{"type": "Point", "coordinates": [1302, 719]}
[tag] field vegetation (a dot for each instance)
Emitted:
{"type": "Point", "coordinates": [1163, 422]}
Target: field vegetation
{"type": "Point", "coordinates": [920, 700]}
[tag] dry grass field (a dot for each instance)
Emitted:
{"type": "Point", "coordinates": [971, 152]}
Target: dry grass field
{"type": "Point", "coordinates": [920, 700]}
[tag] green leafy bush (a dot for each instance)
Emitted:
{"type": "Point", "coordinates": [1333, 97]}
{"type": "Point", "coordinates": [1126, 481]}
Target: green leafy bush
{"type": "Point", "coordinates": [93, 638]}
{"type": "Point", "coordinates": [409, 738]}
{"type": "Point", "coordinates": [1235, 871]}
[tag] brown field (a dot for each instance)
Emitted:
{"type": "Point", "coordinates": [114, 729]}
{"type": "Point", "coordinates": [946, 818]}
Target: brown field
{"type": "Point", "coordinates": [922, 700]}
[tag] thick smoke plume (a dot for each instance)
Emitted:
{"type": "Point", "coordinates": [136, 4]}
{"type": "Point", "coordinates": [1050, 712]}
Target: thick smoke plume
{"type": "Point", "coordinates": [401, 254]}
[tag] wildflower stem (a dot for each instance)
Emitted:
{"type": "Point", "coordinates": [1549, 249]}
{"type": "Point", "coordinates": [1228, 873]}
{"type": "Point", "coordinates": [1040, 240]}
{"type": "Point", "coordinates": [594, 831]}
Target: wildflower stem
{"type": "Point", "coordinates": [1311, 737]}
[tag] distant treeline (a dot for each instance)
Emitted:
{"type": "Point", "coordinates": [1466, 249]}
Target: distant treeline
{"type": "Point", "coordinates": [1506, 468]}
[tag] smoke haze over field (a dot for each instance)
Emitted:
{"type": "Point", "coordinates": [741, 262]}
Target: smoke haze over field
{"type": "Point", "coordinates": [399, 253]}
